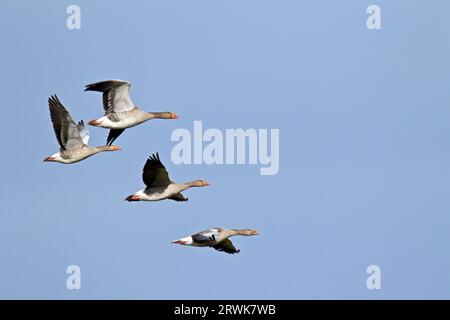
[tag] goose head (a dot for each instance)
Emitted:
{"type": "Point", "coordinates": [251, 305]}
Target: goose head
{"type": "Point", "coordinates": [164, 115]}
{"type": "Point", "coordinates": [110, 148]}
{"type": "Point", "coordinates": [199, 183]}
{"type": "Point", "coordinates": [247, 232]}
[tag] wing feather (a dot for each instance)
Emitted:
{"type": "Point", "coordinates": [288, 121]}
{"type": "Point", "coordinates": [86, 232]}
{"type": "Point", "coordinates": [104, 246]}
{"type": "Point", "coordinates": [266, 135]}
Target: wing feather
{"type": "Point", "coordinates": [154, 173]}
{"type": "Point", "coordinates": [178, 197]}
{"type": "Point", "coordinates": [205, 236]}
{"type": "Point", "coordinates": [84, 132]}
{"type": "Point", "coordinates": [66, 130]}
{"type": "Point", "coordinates": [226, 246]}
{"type": "Point", "coordinates": [116, 95]}
{"type": "Point", "coordinates": [113, 135]}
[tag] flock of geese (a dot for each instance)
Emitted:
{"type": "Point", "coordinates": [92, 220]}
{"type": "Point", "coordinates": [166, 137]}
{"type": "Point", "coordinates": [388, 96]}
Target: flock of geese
{"type": "Point", "coordinates": [120, 114]}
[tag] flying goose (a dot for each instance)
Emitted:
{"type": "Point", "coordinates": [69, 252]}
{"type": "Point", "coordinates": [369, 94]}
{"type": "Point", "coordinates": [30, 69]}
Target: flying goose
{"type": "Point", "coordinates": [216, 238]}
{"type": "Point", "coordinates": [120, 111]}
{"type": "Point", "coordinates": [158, 184]}
{"type": "Point", "coordinates": [73, 138]}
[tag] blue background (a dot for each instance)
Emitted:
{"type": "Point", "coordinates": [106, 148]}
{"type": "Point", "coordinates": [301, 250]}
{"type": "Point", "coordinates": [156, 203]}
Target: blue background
{"type": "Point", "coordinates": [364, 125]}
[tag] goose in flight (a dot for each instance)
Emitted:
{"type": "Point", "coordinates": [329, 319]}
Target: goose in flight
{"type": "Point", "coordinates": [216, 238]}
{"type": "Point", "coordinates": [73, 138]}
{"type": "Point", "coordinates": [158, 184]}
{"type": "Point", "coordinates": [120, 111]}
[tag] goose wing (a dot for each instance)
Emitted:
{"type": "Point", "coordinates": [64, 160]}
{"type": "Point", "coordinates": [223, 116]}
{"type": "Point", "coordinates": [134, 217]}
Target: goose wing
{"type": "Point", "coordinates": [226, 246]}
{"type": "Point", "coordinates": [84, 132]}
{"type": "Point", "coordinates": [154, 173]}
{"type": "Point", "coordinates": [113, 135]}
{"type": "Point", "coordinates": [116, 95]}
{"type": "Point", "coordinates": [206, 235]}
{"type": "Point", "coordinates": [178, 197]}
{"type": "Point", "coordinates": [66, 131]}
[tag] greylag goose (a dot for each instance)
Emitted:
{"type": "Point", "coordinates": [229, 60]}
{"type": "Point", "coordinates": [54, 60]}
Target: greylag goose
{"type": "Point", "coordinates": [73, 138]}
{"type": "Point", "coordinates": [216, 238]}
{"type": "Point", "coordinates": [158, 184]}
{"type": "Point", "coordinates": [120, 111]}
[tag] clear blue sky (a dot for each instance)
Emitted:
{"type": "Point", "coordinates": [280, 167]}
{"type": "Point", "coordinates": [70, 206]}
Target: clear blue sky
{"type": "Point", "coordinates": [364, 119]}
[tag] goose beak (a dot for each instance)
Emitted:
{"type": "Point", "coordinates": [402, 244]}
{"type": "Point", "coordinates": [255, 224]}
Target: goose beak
{"type": "Point", "coordinates": [179, 242]}
{"type": "Point", "coordinates": [173, 116]}
{"type": "Point", "coordinates": [205, 183]}
{"type": "Point", "coordinates": [132, 198]}
{"type": "Point", "coordinates": [94, 123]}
{"type": "Point", "coordinates": [48, 159]}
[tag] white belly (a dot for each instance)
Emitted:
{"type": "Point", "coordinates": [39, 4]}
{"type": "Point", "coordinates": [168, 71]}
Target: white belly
{"type": "Point", "coordinates": [122, 123]}
{"type": "Point", "coordinates": [157, 195]}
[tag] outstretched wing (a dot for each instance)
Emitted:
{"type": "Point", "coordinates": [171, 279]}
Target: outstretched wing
{"type": "Point", "coordinates": [226, 246]}
{"type": "Point", "coordinates": [113, 135]}
{"type": "Point", "coordinates": [154, 173]}
{"type": "Point", "coordinates": [116, 95]}
{"type": "Point", "coordinates": [178, 197]}
{"type": "Point", "coordinates": [66, 131]}
{"type": "Point", "coordinates": [84, 132]}
{"type": "Point", "coordinates": [205, 236]}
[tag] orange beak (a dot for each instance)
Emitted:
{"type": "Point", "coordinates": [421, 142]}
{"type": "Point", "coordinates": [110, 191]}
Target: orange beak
{"type": "Point", "coordinates": [173, 116]}
{"type": "Point", "coordinates": [94, 122]}
{"type": "Point", "coordinates": [116, 148]}
{"type": "Point", "coordinates": [205, 183]}
{"type": "Point", "coordinates": [132, 198]}
{"type": "Point", "coordinates": [179, 242]}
